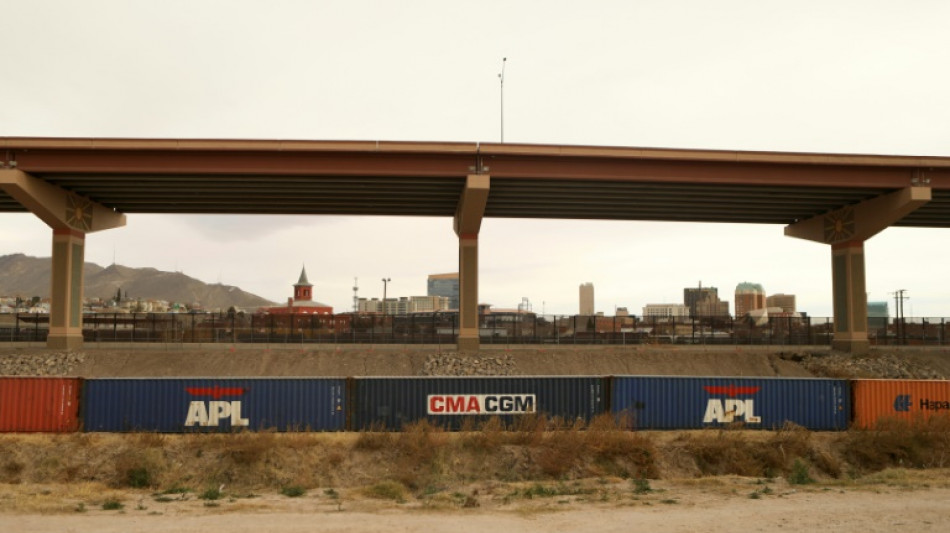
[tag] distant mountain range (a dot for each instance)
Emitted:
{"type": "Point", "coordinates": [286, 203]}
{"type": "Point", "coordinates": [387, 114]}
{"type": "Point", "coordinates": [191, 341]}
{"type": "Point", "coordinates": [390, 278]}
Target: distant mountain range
{"type": "Point", "coordinates": [26, 276]}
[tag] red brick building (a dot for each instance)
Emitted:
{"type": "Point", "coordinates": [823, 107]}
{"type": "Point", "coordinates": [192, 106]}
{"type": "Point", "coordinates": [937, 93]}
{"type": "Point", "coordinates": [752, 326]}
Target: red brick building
{"type": "Point", "coordinates": [302, 302]}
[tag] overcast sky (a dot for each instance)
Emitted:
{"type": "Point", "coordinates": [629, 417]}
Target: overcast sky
{"type": "Point", "coordinates": [836, 76]}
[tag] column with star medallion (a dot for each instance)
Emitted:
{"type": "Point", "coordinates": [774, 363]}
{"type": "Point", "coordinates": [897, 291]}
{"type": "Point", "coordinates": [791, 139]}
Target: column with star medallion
{"type": "Point", "coordinates": [846, 229]}
{"type": "Point", "coordinates": [71, 216]}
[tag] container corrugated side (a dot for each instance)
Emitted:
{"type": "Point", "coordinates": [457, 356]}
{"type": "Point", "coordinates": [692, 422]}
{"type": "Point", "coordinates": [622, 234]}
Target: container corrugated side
{"type": "Point", "coordinates": [211, 404]}
{"type": "Point", "coordinates": [391, 403]}
{"type": "Point", "coordinates": [877, 399]}
{"type": "Point", "coordinates": [34, 404]}
{"type": "Point", "coordinates": [668, 402]}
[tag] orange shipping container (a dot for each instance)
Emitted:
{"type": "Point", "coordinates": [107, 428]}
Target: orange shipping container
{"type": "Point", "coordinates": [875, 399]}
{"type": "Point", "coordinates": [39, 404]}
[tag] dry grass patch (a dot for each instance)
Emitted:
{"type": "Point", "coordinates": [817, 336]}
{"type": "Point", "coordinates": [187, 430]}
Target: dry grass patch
{"type": "Point", "coordinates": [916, 443]}
{"type": "Point", "coordinates": [386, 490]}
{"type": "Point", "coordinates": [55, 498]}
{"type": "Point", "coordinates": [789, 451]}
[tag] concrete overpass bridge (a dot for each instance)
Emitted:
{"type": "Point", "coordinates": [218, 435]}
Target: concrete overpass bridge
{"type": "Point", "coordinates": [79, 186]}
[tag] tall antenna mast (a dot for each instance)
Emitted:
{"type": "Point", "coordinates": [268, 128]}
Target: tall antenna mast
{"type": "Point", "coordinates": [501, 79]}
{"type": "Point", "coordinates": [356, 298]}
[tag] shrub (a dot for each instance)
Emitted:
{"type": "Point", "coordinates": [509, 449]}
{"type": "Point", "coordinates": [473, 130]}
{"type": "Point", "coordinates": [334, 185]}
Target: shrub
{"type": "Point", "coordinates": [293, 491]}
{"type": "Point", "coordinates": [799, 474]}
{"type": "Point", "coordinates": [212, 493]}
{"type": "Point", "coordinates": [386, 490]}
{"type": "Point", "coordinates": [112, 505]}
{"type": "Point", "coordinates": [138, 478]}
{"type": "Point", "coordinates": [641, 486]}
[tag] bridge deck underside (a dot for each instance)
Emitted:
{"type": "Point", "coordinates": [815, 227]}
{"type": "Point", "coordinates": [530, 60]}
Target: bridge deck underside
{"type": "Point", "coordinates": [438, 196]}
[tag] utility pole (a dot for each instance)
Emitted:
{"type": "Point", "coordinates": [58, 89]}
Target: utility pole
{"type": "Point", "coordinates": [903, 321]}
{"type": "Point", "coordinates": [901, 327]}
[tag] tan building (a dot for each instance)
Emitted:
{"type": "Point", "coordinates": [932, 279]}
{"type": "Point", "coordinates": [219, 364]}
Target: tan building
{"type": "Point", "coordinates": [586, 299]}
{"type": "Point", "coordinates": [710, 307]}
{"type": "Point", "coordinates": [428, 304]}
{"type": "Point", "coordinates": [784, 301]}
{"type": "Point", "coordinates": [404, 305]}
{"type": "Point", "coordinates": [665, 311]}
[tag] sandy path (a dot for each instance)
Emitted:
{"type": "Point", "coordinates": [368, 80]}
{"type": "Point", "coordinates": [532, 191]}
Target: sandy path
{"type": "Point", "coordinates": [868, 511]}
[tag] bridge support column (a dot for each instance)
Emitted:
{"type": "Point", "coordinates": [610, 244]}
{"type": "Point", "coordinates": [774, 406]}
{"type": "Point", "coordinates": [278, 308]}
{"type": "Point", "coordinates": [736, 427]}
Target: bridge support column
{"type": "Point", "coordinates": [846, 229]}
{"type": "Point", "coordinates": [65, 324]}
{"type": "Point", "coordinates": [849, 298]}
{"type": "Point", "coordinates": [70, 216]}
{"type": "Point", "coordinates": [468, 221]}
{"type": "Point", "coordinates": [468, 341]}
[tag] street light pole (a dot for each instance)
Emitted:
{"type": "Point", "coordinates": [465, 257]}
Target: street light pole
{"type": "Point", "coordinates": [385, 282]}
{"type": "Point", "coordinates": [501, 78]}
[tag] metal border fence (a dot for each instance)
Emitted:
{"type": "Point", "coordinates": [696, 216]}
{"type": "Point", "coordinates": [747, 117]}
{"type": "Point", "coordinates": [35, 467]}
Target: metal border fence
{"type": "Point", "coordinates": [442, 328]}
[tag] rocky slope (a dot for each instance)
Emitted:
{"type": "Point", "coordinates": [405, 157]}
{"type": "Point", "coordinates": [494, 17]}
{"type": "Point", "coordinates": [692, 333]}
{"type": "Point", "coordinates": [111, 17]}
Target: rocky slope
{"type": "Point", "coordinates": [322, 360]}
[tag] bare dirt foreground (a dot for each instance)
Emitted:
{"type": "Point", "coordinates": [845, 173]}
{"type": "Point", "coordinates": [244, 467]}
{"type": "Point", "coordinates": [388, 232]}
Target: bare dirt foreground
{"type": "Point", "coordinates": [893, 501]}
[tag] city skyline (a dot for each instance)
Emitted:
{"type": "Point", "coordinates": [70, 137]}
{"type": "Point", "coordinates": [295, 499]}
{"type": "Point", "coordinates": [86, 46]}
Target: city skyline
{"type": "Point", "coordinates": [803, 77]}
{"type": "Point", "coordinates": [586, 300]}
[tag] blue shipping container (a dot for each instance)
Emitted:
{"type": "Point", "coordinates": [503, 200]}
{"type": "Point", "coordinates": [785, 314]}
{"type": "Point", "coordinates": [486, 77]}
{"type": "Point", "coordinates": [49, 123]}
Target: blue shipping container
{"type": "Point", "coordinates": [661, 402]}
{"type": "Point", "coordinates": [209, 404]}
{"type": "Point", "coordinates": [391, 403]}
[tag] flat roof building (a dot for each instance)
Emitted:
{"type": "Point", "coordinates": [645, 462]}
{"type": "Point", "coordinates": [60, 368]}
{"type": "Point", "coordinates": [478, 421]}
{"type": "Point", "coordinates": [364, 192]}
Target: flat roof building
{"type": "Point", "coordinates": [586, 299]}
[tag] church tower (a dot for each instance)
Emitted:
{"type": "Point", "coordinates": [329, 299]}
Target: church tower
{"type": "Point", "coordinates": [303, 289]}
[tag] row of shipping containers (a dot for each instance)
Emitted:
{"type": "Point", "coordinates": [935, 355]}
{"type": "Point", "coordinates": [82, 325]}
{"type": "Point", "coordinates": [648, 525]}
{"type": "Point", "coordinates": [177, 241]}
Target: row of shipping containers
{"type": "Point", "coordinates": [173, 405]}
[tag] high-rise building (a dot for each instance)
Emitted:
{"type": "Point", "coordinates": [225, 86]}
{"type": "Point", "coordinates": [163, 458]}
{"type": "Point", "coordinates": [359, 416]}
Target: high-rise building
{"type": "Point", "coordinates": [785, 301]}
{"type": "Point", "coordinates": [749, 297]}
{"type": "Point", "coordinates": [446, 285]}
{"type": "Point", "coordinates": [878, 315]}
{"type": "Point", "coordinates": [704, 301]}
{"type": "Point", "coordinates": [587, 299]}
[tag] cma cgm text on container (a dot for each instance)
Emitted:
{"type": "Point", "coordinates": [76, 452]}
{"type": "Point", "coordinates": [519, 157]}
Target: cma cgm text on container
{"type": "Point", "coordinates": [878, 399]}
{"type": "Point", "coordinates": [391, 403]}
{"type": "Point", "coordinates": [209, 405]}
{"type": "Point", "coordinates": [667, 402]}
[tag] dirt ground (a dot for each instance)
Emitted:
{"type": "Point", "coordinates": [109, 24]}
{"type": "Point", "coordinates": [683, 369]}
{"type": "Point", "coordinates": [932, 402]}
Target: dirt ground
{"type": "Point", "coordinates": [918, 502]}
